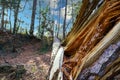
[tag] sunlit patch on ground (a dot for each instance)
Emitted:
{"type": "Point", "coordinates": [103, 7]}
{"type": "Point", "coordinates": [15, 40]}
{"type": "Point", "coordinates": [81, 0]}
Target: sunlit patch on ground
{"type": "Point", "coordinates": [37, 66]}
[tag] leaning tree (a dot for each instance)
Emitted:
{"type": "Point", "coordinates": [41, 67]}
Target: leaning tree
{"type": "Point", "coordinates": [91, 51]}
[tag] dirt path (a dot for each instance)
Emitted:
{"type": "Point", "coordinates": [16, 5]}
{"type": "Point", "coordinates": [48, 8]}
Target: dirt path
{"type": "Point", "coordinates": [36, 65]}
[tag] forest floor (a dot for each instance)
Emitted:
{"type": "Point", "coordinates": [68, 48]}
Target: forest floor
{"type": "Point", "coordinates": [27, 53]}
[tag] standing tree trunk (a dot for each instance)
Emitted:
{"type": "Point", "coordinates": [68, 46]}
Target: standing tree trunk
{"type": "Point", "coordinates": [65, 20]}
{"type": "Point", "coordinates": [33, 17]}
{"type": "Point", "coordinates": [59, 19]}
{"type": "Point", "coordinates": [72, 13]}
{"type": "Point", "coordinates": [10, 20]}
{"type": "Point", "coordinates": [16, 17]}
{"type": "Point", "coordinates": [15, 23]}
{"type": "Point", "coordinates": [2, 21]}
{"type": "Point", "coordinates": [39, 28]}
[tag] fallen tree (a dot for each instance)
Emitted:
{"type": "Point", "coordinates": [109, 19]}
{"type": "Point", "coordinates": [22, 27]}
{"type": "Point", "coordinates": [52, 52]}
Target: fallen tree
{"type": "Point", "coordinates": [97, 26]}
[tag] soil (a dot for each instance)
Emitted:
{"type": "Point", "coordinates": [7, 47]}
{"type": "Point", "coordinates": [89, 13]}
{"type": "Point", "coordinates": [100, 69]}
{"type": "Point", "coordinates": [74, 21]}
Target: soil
{"type": "Point", "coordinates": [27, 53]}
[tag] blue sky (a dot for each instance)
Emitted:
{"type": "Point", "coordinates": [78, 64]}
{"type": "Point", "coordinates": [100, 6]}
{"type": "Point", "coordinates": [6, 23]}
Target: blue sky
{"type": "Point", "coordinates": [55, 5]}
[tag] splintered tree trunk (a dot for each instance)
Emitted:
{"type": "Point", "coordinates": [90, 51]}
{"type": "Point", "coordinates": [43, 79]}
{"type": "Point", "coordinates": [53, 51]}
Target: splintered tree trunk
{"type": "Point", "coordinates": [56, 61]}
{"type": "Point", "coordinates": [33, 17]}
{"type": "Point", "coordinates": [92, 48]}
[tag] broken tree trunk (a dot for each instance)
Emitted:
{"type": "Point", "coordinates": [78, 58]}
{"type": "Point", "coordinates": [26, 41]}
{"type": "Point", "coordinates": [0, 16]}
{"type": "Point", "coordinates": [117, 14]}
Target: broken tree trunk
{"type": "Point", "coordinates": [89, 39]}
{"type": "Point", "coordinates": [108, 60]}
{"type": "Point", "coordinates": [56, 61]}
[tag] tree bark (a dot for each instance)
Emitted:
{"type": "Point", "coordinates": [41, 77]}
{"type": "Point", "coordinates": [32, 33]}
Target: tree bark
{"type": "Point", "coordinates": [59, 19]}
{"type": "Point", "coordinates": [95, 29]}
{"type": "Point", "coordinates": [10, 21]}
{"type": "Point", "coordinates": [64, 25]}
{"type": "Point", "coordinates": [16, 17]}
{"type": "Point", "coordinates": [33, 17]}
{"type": "Point", "coordinates": [2, 21]}
{"type": "Point", "coordinates": [39, 28]}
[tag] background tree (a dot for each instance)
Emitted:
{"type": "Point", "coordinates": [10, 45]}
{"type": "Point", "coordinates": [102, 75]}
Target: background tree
{"type": "Point", "coordinates": [39, 18]}
{"type": "Point", "coordinates": [2, 21]}
{"type": "Point", "coordinates": [64, 24]}
{"type": "Point", "coordinates": [50, 19]}
{"type": "Point", "coordinates": [3, 4]}
{"type": "Point", "coordinates": [33, 17]}
{"type": "Point", "coordinates": [16, 10]}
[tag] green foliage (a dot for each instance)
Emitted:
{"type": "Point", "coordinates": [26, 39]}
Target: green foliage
{"type": "Point", "coordinates": [9, 3]}
{"type": "Point", "coordinates": [17, 28]}
{"type": "Point", "coordinates": [45, 46]}
{"type": "Point", "coordinates": [5, 68]}
{"type": "Point", "coordinates": [39, 31]}
{"type": "Point", "coordinates": [76, 7]}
